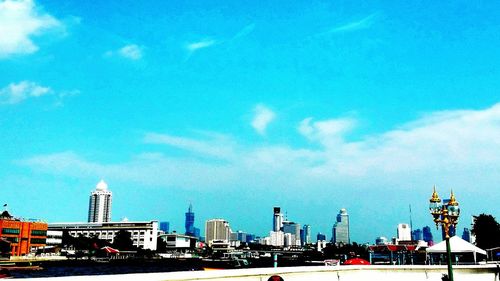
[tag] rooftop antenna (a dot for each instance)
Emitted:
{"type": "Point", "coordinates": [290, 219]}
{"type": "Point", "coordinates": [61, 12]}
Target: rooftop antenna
{"type": "Point", "coordinates": [411, 222]}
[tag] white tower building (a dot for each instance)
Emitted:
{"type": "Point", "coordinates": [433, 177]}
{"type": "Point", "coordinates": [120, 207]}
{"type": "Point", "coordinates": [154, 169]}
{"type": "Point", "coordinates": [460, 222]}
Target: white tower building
{"type": "Point", "coordinates": [404, 232]}
{"type": "Point", "coordinates": [217, 229]}
{"type": "Point", "coordinates": [100, 203]}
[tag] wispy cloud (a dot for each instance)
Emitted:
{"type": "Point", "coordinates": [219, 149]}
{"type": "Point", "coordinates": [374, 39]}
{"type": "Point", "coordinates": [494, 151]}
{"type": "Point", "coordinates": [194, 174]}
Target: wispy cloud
{"type": "Point", "coordinates": [18, 92]}
{"type": "Point", "coordinates": [195, 46]}
{"type": "Point", "coordinates": [244, 31]}
{"type": "Point", "coordinates": [356, 25]}
{"type": "Point", "coordinates": [131, 51]}
{"type": "Point", "coordinates": [19, 22]}
{"type": "Point", "coordinates": [218, 147]}
{"type": "Point", "coordinates": [456, 147]}
{"type": "Point", "coordinates": [263, 116]}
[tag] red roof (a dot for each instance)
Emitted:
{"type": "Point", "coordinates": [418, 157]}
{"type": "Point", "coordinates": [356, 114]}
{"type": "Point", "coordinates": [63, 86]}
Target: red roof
{"type": "Point", "coordinates": [110, 250]}
{"type": "Point", "coordinates": [356, 261]}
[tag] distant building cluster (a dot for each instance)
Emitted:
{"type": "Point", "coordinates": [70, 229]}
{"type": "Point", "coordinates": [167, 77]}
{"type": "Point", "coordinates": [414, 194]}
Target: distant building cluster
{"type": "Point", "coordinates": [24, 237]}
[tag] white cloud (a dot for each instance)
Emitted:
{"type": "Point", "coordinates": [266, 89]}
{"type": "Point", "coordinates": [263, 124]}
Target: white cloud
{"type": "Point", "coordinates": [195, 46]}
{"type": "Point", "coordinates": [458, 147]}
{"type": "Point", "coordinates": [219, 147]}
{"type": "Point", "coordinates": [20, 21]}
{"type": "Point", "coordinates": [361, 24]}
{"type": "Point", "coordinates": [244, 31]}
{"type": "Point", "coordinates": [263, 116]}
{"type": "Point", "coordinates": [16, 93]}
{"type": "Point", "coordinates": [132, 52]}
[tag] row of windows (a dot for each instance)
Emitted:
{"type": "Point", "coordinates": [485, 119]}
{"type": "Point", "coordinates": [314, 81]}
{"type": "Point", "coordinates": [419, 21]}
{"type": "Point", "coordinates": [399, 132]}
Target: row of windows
{"type": "Point", "coordinates": [12, 239]}
{"type": "Point", "coordinates": [39, 232]}
{"type": "Point", "coordinates": [11, 231]}
{"type": "Point", "coordinates": [37, 241]}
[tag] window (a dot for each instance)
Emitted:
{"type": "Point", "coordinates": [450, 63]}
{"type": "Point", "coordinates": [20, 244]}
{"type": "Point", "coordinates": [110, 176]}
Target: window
{"type": "Point", "coordinates": [12, 239]}
{"type": "Point", "coordinates": [39, 232]}
{"type": "Point", "coordinates": [11, 231]}
{"type": "Point", "coordinates": [37, 241]}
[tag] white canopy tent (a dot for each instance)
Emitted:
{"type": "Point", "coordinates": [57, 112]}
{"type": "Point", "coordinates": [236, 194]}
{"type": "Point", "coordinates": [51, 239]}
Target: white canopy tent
{"type": "Point", "coordinates": [457, 245]}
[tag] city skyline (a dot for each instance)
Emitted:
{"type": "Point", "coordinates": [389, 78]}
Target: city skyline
{"type": "Point", "coordinates": [312, 107]}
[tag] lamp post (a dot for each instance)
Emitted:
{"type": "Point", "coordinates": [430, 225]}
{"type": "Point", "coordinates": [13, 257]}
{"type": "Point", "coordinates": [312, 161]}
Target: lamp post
{"type": "Point", "coordinates": [445, 215]}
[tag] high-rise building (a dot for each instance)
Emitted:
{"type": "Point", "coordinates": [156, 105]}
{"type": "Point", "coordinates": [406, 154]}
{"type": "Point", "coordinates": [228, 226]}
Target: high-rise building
{"type": "Point", "coordinates": [277, 238]}
{"type": "Point", "coordinates": [321, 237]}
{"type": "Point", "coordinates": [307, 234]}
{"type": "Point", "coordinates": [404, 232]}
{"type": "Point", "coordinates": [340, 231]}
{"type": "Point", "coordinates": [416, 235]}
{"type": "Point", "coordinates": [294, 230]}
{"type": "Point", "coordinates": [277, 219]}
{"type": "Point", "coordinates": [189, 223]}
{"type": "Point", "coordinates": [217, 229]}
{"type": "Point", "coordinates": [427, 235]}
{"type": "Point", "coordinates": [100, 203]}
{"type": "Point", "coordinates": [466, 234]}
{"type": "Point", "coordinates": [165, 226]}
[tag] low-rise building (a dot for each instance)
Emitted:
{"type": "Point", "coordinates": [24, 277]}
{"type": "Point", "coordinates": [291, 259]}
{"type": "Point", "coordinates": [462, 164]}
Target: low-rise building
{"type": "Point", "coordinates": [24, 236]}
{"type": "Point", "coordinates": [178, 242]}
{"type": "Point", "coordinates": [143, 233]}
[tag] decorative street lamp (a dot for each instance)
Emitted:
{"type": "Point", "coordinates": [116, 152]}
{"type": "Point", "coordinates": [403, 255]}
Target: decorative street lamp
{"type": "Point", "coordinates": [446, 215]}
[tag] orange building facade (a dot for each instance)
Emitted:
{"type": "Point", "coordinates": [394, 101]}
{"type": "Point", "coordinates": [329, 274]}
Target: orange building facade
{"type": "Point", "coordinates": [24, 236]}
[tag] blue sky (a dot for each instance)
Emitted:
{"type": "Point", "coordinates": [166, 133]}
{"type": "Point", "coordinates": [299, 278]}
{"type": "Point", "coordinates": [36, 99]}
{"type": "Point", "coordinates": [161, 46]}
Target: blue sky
{"type": "Point", "coordinates": [237, 107]}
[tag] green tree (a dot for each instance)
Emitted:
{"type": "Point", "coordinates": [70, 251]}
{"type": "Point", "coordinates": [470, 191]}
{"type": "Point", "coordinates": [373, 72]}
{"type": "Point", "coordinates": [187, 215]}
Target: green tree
{"type": "Point", "coordinates": [161, 245]}
{"type": "Point", "coordinates": [123, 241]}
{"type": "Point", "coordinates": [487, 231]}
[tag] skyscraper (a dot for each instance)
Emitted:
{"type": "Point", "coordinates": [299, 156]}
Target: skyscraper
{"type": "Point", "coordinates": [427, 235]}
{"type": "Point", "coordinates": [165, 226]}
{"type": "Point", "coordinates": [216, 229]}
{"type": "Point", "coordinates": [277, 219]}
{"type": "Point", "coordinates": [189, 223]}
{"type": "Point", "coordinates": [404, 232]}
{"type": "Point", "coordinates": [294, 230]}
{"type": "Point", "coordinates": [340, 231]}
{"type": "Point", "coordinates": [320, 237]}
{"type": "Point", "coordinates": [416, 235]}
{"type": "Point", "coordinates": [466, 234]}
{"type": "Point", "coordinates": [307, 234]}
{"type": "Point", "coordinates": [100, 203]}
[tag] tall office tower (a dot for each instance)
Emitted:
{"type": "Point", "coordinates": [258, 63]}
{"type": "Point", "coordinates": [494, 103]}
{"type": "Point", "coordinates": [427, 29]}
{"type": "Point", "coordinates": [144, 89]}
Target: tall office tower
{"type": "Point", "coordinates": [427, 235]}
{"type": "Point", "coordinates": [321, 237]}
{"type": "Point", "coordinates": [466, 234]}
{"type": "Point", "coordinates": [340, 231]}
{"type": "Point", "coordinates": [217, 229]}
{"type": "Point", "coordinates": [165, 226]}
{"type": "Point", "coordinates": [294, 230]}
{"type": "Point", "coordinates": [100, 203]}
{"type": "Point", "coordinates": [197, 232]}
{"type": "Point", "coordinates": [404, 232]}
{"type": "Point", "coordinates": [416, 235]}
{"type": "Point", "coordinates": [307, 234]}
{"type": "Point", "coordinates": [277, 219]}
{"type": "Point", "coordinates": [189, 223]}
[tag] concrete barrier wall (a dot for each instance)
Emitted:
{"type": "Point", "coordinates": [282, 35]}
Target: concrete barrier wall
{"type": "Point", "coordinates": [331, 273]}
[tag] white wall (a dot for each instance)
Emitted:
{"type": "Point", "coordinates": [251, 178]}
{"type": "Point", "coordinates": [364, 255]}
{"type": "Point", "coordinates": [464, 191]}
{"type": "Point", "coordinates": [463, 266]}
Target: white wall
{"type": "Point", "coordinates": [334, 273]}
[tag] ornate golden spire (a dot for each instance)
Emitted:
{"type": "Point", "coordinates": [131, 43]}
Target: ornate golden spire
{"type": "Point", "coordinates": [453, 201]}
{"type": "Point", "coordinates": [435, 196]}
